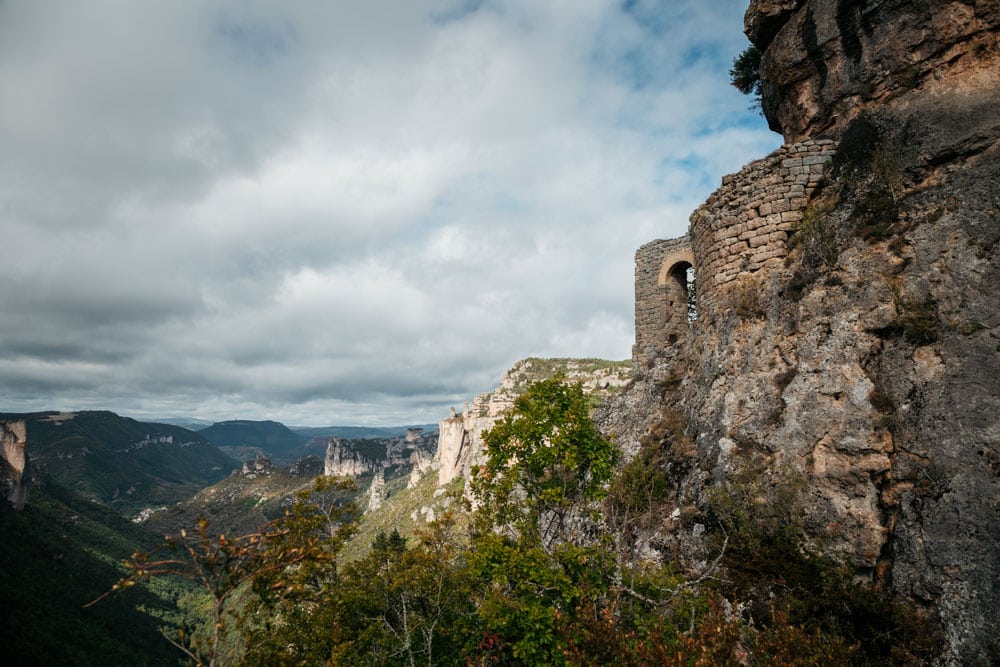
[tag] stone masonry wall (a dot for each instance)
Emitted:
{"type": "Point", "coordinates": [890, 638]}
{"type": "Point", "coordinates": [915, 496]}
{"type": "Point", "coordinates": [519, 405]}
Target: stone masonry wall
{"type": "Point", "coordinates": [744, 225]}
{"type": "Point", "coordinates": [660, 300]}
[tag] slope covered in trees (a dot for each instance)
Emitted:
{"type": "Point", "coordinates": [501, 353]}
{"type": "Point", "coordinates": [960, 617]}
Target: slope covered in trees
{"type": "Point", "coordinates": [61, 552]}
{"type": "Point", "coordinates": [128, 464]}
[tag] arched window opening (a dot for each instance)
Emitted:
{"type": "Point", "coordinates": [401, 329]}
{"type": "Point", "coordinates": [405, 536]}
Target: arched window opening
{"type": "Point", "coordinates": [683, 274]}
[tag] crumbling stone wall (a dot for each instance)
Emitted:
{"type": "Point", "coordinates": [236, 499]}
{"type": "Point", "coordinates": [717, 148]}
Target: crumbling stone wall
{"type": "Point", "coordinates": [742, 228]}
{"type": "Point", "coordinates": [745, 224]}
{"type": "Point", "coordinates": [661, 308]}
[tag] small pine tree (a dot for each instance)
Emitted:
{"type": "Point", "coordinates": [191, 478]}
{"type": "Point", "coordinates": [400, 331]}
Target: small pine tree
{"type": "Point", "coordinates": [745, 72]}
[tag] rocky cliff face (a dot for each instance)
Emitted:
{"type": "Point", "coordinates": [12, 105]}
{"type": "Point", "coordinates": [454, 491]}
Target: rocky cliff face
{"type": "Point", "coordinates": [412, 455]}
{"type": "Point", "coordinates": [14, 474]}
{"type": "Point", "coordinates": [826, 62]}
{"type": "Point", "coordinates": [342, 461]}
{"type": "Point", "coordinates": [866, 360]}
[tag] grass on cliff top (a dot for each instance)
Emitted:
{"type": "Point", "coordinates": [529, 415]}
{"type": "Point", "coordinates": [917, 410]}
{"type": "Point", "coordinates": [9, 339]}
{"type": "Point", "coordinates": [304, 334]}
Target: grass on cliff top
{"type": "Point", "coordinates": [539, 368]}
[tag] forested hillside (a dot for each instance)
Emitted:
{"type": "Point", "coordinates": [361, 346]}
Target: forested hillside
{"type": "Point", "coordinates": [128, 464]}
{"type": "Point", "coordinates": [61, 552]}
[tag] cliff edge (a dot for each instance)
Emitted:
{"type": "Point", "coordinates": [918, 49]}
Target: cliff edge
{"type": "Point", "coordinates": [845, 329]}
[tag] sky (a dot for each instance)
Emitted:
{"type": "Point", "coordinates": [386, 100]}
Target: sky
{"type": "Point", "coordinates": [342, 212]}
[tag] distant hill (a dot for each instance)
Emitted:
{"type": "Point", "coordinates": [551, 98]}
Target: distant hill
{"type": "Point", "coordinates": [241, 502]}
{"type": "Point", "coordinates": [116, 460]}
{"type": "Point", "coordinates": [359, 432]}
{"type": "Point", "coordinates": [270, 436]}
{"type": "Point", "coordinates": [189, 423]}
{"type": "Point", "coordinates": [62, 551]}
{"type": "Point", "coordinates": [243, 439]}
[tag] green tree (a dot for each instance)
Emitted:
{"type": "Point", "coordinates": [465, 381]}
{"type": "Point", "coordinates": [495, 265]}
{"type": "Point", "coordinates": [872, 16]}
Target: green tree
{"type": "Point", "coordinates": [546, 466]}
{"type": "Point", "coordinates": [545, 461]}
{"type": "Point", "coordinates": [285, 605]}
{"type": "Point", "coordinates": [405, 605]}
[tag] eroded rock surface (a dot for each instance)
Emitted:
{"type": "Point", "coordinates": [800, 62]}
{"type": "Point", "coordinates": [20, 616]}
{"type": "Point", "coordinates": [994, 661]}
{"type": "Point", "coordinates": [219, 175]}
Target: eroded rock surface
{"type": "Point", "coordinates": [826, 62]}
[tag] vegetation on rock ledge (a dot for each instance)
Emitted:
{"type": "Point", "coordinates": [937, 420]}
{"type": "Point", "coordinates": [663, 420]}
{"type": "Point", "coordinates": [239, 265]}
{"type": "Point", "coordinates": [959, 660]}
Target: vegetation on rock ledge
{"type": "Point", "coordinates": [539, 576]}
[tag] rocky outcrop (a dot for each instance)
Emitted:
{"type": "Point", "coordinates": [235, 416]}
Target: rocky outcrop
{"type": "Point", "coordinates": [412, 455]}
{"type": "Point", "coordinates": [14, 472]}
{"type": "Point", "coordinates": [421, 463]}
{"type": "Point", "coordinates": [825, 63]}
{"type": "Point", "coordinates": [353, 457]}
{"type": "Point", "coordinates": [460, 444]}
{"type": "Point", "coordinates": [863, 358]}
{"type": "Point", "coordinates": [376, 492]}
{"type": "Point", "coordinates": [259, 465]}
{"type": "Point", "coordinates": [343, 461]}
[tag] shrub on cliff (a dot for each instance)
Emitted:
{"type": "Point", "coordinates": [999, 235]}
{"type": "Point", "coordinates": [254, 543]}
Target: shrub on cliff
{"type": "Point", "coordinates": [745, 73]}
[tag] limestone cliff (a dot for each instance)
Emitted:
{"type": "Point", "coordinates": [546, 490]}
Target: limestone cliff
{"type": "Point", "coordinates": [412, 456]}
{"type": "Point", "coordinates": [342, 461]}
{"type": "Point", "coordinates": [14, 473]}
{"type": "Point", "coordinates": [848, 330]}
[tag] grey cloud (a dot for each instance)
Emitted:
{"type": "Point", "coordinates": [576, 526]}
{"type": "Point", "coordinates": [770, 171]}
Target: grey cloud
{"type": "Point", "coordinates": [341, 212]}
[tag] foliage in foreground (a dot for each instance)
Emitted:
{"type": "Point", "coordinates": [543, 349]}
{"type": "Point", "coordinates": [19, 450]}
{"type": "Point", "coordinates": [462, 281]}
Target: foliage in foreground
{"type": "Point", "coordinates": [538, 576]}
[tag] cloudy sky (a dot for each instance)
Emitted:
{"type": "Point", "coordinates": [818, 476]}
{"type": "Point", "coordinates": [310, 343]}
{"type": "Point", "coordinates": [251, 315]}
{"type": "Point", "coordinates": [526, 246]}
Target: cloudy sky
{"type": "Point", "coordinates": [347, 211]}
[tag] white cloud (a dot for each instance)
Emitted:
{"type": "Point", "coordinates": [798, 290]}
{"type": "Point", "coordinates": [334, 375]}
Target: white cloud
{"type": "Point", "coordinates": [341, 212]}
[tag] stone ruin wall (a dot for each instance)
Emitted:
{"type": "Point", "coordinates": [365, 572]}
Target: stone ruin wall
{"type": "Point", "coordinates": [745, 224]}
{"type": "Point", "coordinates": [660, 299]}
{"type": "Point", "coordinates": [741, 229]}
